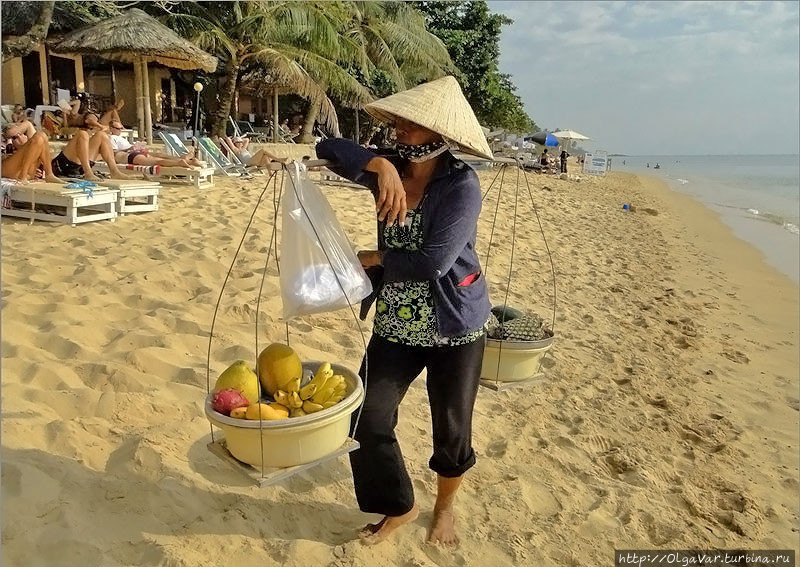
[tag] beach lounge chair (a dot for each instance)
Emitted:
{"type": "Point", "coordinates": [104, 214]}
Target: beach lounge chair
{"type": "Point", "coordinates": [200, 177]}
{"type": "Point", "coordinates": [246, 130]}
{"type": "Point", "coordinates": [209, 151]}
{"type": "Point", "coordinates": [135, 195]}
{"type": "Point", "coordinates": [6, 113]}
{"type": "Point", "coordinates": [38, 114]}
{"type": "Point", "coordinates": [174, 144]}
{"type": "Point", "coordinates": [54, 202]}
{"type": "Point", "coordinates": [243, 129]}
{"type": "Point", "coordinates": [284, 135]}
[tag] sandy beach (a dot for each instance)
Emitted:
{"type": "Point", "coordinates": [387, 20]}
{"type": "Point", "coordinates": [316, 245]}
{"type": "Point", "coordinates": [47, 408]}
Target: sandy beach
{"type": "Point", "coordinates": [668, 417]}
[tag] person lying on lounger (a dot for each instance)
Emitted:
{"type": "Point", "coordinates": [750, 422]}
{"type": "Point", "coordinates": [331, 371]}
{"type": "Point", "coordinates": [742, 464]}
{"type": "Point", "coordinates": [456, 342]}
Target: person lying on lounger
{"type": "Point", "coordinates": [24, 157]}
{"type": "Point", "coordinates": [238, 146]}
{"type": "Point", "coordinates": [126, 153]}
{"type": "Point", "coordinates": [79, 115]}
{"type": "Point", "coordinates": [80, 153]}
{"type": "Point", "coordinates": [20, 117]}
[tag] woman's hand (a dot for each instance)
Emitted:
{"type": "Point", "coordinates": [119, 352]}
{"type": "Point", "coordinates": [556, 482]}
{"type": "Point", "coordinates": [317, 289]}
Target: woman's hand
{"type": "Point", "coordinates": [369, 258]}
{"type": "Point", "coordinates": [391, 202]}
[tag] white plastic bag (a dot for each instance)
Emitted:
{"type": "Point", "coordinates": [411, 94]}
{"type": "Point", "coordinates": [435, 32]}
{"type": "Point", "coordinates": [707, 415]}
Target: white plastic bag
{"type": "Point", "coordinates": [317, 260]}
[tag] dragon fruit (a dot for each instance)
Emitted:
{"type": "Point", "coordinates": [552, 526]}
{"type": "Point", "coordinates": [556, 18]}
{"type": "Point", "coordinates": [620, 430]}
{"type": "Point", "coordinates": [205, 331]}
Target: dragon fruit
{"type": "Point", "coordinates": [227, 400]}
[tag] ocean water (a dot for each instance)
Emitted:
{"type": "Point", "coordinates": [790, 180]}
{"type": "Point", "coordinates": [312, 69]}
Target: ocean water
{"type": "Point", "coordinates": [758, 196]}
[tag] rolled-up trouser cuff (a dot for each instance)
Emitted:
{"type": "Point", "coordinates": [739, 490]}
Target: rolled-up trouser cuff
{"type": "Point", "coordinates": [453, 472]}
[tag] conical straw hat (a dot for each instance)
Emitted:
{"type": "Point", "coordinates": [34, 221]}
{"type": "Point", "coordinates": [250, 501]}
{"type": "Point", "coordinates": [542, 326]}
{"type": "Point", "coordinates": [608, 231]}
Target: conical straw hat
{"type": "Point", "coordinates": [439, 106]}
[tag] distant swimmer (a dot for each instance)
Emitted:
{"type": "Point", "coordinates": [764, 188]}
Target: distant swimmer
{"type": "Point", "coordinates": [658, 166]}
{"type": "Point", "coordinates": [648, 164]}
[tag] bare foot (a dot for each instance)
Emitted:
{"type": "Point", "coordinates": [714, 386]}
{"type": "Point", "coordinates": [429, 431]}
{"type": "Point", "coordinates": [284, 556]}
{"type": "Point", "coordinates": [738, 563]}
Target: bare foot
{"type": "Point", "coordinates": [90, 177]}
{"type": "Point", "coordinates": [53, 179]}
{"type": "Point", "coordinates": [376, 533]}
{"type": "Point", "coordinates": [119, 175]}
{"type": "Point", "coordinates": [443, 528]}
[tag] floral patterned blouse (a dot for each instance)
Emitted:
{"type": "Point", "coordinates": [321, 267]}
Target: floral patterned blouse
{"type": "Point", "coordinates": [404, 311]}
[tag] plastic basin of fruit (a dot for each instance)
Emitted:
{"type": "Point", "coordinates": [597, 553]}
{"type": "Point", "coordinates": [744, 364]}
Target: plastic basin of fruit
{"type": "Point", "coordinates": [518, 360]}
{"type": "Point", "coordinates": [294, 440]}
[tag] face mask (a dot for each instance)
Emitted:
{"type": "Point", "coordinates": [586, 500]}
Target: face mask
{"type": "Point", "coordinates": [422, 152]}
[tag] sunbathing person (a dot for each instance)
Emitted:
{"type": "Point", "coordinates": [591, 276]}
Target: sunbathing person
{"type": "Point", "coordinates": [25, 156]}
{"type": "Point", "coordinates": [238, 146]}
{"type": "Point", "coordinates": [79, 155]}
{"type": "Point", "coordinates": [126, 153]}
{"type": "Point", "coordinates": [76, 117]}
{"type": "Point", "coordinates": [20, 118]}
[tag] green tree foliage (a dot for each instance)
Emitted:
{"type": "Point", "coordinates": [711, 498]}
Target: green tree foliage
{"type": "Point", "coordinates": [472, 36]}
{"type": "Point", "coordinates": [26, 24]}
{"type": "Point", "coordinates": [320, 50]}
{"type": "Point", "coordinates": [295, 44]}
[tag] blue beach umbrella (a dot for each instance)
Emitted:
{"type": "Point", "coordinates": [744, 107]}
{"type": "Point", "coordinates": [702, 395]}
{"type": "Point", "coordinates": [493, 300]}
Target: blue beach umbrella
{"type": "Point", "coordinates": [543, 139]}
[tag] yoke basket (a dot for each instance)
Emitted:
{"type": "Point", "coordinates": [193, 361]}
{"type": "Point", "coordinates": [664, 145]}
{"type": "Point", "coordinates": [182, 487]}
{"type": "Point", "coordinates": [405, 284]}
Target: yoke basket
{"type": "Point", "coordinates": [269, 451]}
{"type": "Point", "coordinates": [508, 362]}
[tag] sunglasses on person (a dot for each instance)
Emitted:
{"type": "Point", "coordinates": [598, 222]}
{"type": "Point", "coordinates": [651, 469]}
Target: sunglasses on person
{"type": "Point", "coordinates": [15, 136]}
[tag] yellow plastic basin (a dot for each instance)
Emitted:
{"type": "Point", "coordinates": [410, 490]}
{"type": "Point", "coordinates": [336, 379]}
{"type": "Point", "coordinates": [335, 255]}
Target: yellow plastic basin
{"type": "Point", "coordinates": [518, 360]}
{"type": "Point", "coordinates": [295, 440]}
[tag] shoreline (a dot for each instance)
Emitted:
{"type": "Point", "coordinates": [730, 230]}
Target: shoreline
{"type": "Point", "coordinates": [680, 202]}
{"type": "Point", "coordinates": [766, 218]}
{"type": "Point", "coordinates": [776, 242]}
{"type": "Point", "coordinates": [668, 416]}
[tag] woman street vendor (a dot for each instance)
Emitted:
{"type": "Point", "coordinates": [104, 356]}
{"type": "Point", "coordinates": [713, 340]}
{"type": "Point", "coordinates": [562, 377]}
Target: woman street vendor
{"type": "Point", "coordinates": [431, 298]}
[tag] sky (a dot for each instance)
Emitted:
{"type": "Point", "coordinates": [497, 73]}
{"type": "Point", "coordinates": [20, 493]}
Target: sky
{"type": "Point", "coordinates": [659, 78]}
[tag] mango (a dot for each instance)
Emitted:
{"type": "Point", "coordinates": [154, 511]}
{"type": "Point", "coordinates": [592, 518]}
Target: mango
{"type": "Point", "coordinates": [279, 368]}
{"type": "Point", "coordinates": [238, 376]}
{"type": "Point", "coordinates": [267, 411]}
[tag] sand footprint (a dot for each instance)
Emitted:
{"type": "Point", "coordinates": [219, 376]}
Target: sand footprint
{"type": "Point", "coordinates": [497, 448]}
{"type": "Point", "coordinates": [736, 356]}
{"type": "Point", "coordinates": [539, 498]}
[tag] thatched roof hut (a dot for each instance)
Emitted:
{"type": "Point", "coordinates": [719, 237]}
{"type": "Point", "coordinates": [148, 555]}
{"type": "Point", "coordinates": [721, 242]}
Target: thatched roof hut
{"type": "Point", "coordinates": [134, 35]}
{"type": "Point", "coordinates": [137, 37]}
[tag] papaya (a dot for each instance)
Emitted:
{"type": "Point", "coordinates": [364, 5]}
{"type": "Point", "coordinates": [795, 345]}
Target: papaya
{"type": "Point", "coordinates": [279, 368]}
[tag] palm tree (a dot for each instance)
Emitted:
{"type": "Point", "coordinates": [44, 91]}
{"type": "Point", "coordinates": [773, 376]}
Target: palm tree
{"type": "Point", "coordinates": [297, 42]}
{"type": "Point", "coordinates": [319, 49]}
{"type": "Point", "coordinates": [393, 37]}
{"type": "Point", "coordinates": [390, 39]}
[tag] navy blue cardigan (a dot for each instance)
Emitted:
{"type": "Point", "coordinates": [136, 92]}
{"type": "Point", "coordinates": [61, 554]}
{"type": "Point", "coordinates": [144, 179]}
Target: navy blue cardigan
{"type": "Point", "coordinates": [450, 210]}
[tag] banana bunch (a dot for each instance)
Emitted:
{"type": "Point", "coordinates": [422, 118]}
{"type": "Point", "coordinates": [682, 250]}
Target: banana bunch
{"type": "Point", "coordinates": [323, 391]}
{"type": "Point", "coordinates": [290, 386]}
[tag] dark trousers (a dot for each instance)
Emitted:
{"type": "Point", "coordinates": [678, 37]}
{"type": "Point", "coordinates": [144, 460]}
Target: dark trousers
{"type": "Point", "coordinates": [563, 166]}
{"type": "Point", "coordinates": [379, 474]}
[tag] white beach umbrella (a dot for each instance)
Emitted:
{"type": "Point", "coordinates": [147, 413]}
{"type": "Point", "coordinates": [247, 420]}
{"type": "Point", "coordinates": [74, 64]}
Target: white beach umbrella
{"type": "Point", "coordinates": [568, 137]}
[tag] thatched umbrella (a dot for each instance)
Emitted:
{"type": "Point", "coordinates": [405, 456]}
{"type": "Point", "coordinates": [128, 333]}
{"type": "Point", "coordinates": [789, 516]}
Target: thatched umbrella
{"type": "Point", "coordinates": [137, 38]}
{"type": "Point", "coordinates": [262, 83]}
